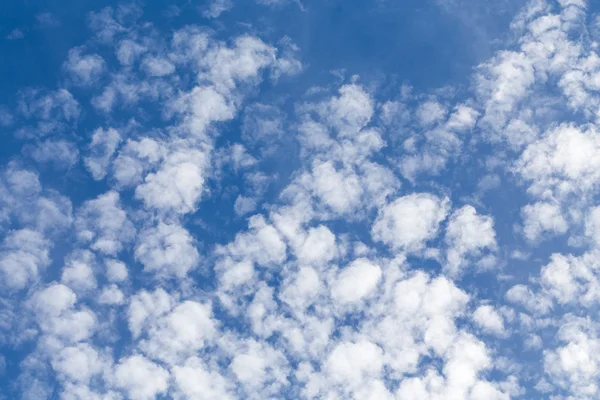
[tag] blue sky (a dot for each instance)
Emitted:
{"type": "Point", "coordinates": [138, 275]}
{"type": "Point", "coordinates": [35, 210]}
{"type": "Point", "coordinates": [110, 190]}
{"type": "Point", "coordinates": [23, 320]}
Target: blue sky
{"type": "Point", "coordinates": [300, 199]}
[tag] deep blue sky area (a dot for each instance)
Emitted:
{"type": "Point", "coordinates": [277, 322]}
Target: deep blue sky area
{"type": "Point", "coordinates": [411, 42]}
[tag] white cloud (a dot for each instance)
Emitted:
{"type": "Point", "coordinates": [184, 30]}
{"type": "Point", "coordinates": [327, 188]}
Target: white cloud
{"type": "Point", "coordinates": [467, 359]}
{"type": "Point", "coordinates": [134, 159]}
{"type": "Point", "coordinates": [79, 363]}
{"type": "Point", "coordinates": [463, 118]}
{"type": "Point", "coordinates": [592, 225]}
{"type": "Point", "coordinates": [217, 7]}
{"type": "Point", "coordinates": [204, 105]}
{"type": "Point", "coordinates": [355, 281]}
{"type": "Point", "coordinates": [430, 112]}
{"type": "Point", "coordinates": [53, 111]}
{"type": "Point", "coordinates": [24, 253]}
{"type": "Point", "coordinates": [303, 289]}
{"type": "Point", "coordinates": [103, 146]}
{"type": "Point", "coordinates": [241, 62]}
{"type": "Point", "coordinates": [262, 244]}
{"type": "Point", "coordinates": [61, 153]}
{"type": "Point", "coordinates": [181, 333]}
{"type": "Point", "coordinates": [111, 295]}
{"type": "Point", "coordinates": [104, 224]}
{"type": "Point", "coordinates": [565, 161]}
{"type": "Point", "coordinates": [177, 185]}
{"type": "Point", "coordinates": [156, 66]}
{"type": "Point", "coordinates": [116, 271]}
{"type": "Point", "coordinates": [543, 218]}
{"type": "Point", "coordinates": [468, 234]}
{"type": "Point", "coordinates": [57, 316]}
{"type": "Point", "coordinates": [350, 363]}
{"type": "Point", "coordinates": [234, 273]}
{"type": "Point", "coordinates": [244, 205]}
{"type": "Point", "coordinates": [490, 320]}
{"type": "Point", "coordinates": [167, 250]}
{"type": "Point", "coordinates": [128, 51]}
{"type": "Point", "coordinates": [145, 308]}
{"type": "Point", "coordinates": [504, 82]}
{"type": "Point", "coordinates": [78, 273]}
{"type": "Point", "coordinates": [351, 111]}
{"type": "Point", "coordinates": [196, 380]}
{"type": "Point", "coordinates": [523, 295]}
{"type": "Point", "coordinates": [318, 248]}
{"type": "Point", "coordinates": [339, 190]}
{"type": "Point", "coordinates": [572, 280]}
{"type": "Point", "coordinates": [104, 24]}
{"type": "Point", "coordinates": [575, 366]}
{"type": "Point", "coordinates": [54, 300]}
{"type": "Point", "coordinates": [83, 69]}
{"type": "Point", "coordinates": [260, 369]}
{"type": "Point", "coordinates": [409, 222]}
{"type": "Point", "coordinates": [140, 378]}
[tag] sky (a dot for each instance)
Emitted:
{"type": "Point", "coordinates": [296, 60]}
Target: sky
{"type": "Point", "coordinates": [300, 199]}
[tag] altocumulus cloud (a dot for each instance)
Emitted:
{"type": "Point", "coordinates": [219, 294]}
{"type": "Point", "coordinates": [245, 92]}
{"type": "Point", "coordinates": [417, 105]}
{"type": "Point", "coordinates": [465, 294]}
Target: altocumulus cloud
{"type": "Point", "coordinates": [201, 202]}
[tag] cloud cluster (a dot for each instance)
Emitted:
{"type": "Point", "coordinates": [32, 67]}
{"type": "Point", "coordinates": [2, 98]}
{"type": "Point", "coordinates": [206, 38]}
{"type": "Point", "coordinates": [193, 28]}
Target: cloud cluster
{"type": "Point", "coordinates": [219, 239]}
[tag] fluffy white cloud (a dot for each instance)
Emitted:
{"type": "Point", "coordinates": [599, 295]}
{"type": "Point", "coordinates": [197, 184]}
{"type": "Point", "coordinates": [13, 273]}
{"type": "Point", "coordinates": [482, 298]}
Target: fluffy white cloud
{"type": "Point", "coordinates": [572, 280]}
{"type": "Point", "coordinates": [259, 368]}
{"type": "Point", "coordinates": [78, 273]}
{"type": "Point", "coordinates": [52, 109]}
{"type": "Point", "coordinates": [79, 363]}
{"type": "Point", "coordinates": [467, 359]}
{"type": "Point", "coordinates": [116, 271]}
{"type": "Point", "coordinates": [217, 7]}
{"type": "Point", "coordinates": [83, 69]}
{"type": "Point", "coordinates": [62, 153]}
{"type": "Point", "coordinates": [167, 250]}
{"type": "Point", "coordinates": [490, 320]}
{"type": "Point", "coordinates": [350, 363]}
{"type": "Point", "coordinates": [111, 295]}
{"type": "Point", "coordinates": [134, 159]}
{"type": "Point", "coordinates": [23, 254]}
{"type": "Point", "coordinates": [468, 234]}
{"type": "Point", "coordinates": [575, 366]}
{"type": "Point", "coordinates": [177, 185]}
{"type": "Point", "coordinates": [145, 308]}
{"type": "Point", "coordinates": [355, 281]}
{"type": "Point", "coordinates": [157, 66]}
{"type": "Point", "coordinates": [431, 112]}
{"type": "Point", "coordinates": [244, 205]}
{"type": "Point", "coordinates": [127, 51]}
{"type": "Point", "coordinates": [565, 161]}
{"type": "Point", "coordinates": [523, 295]}
{"type": "Point", "coordinates": [303, 289]}
{"type": "Point", "coordinates": [592, 225]}
{"type": "Point", "coordinates": [409, 222]}
{"type": "Point", "coordinates": [103, 146]}
{"type": "Point", "coordinates": [58, 317]}
{"type": "Point", "coordinates": [351, 111]}
{"type": "Point", "coordinates": [263, 244]}
{"type": "Point", "coordinates": [180, 333]}
{"type": "Point", "coordinates": [140, 378]}
{"type": "Point", "coordinates": [104, 224]}
{"type": "Point", "coordinates": [339, 190]}
{"type": "Point", "coordinates": [196, 380]}
{"type": "Point", "coordinates": [543, 218]}
{"type": "Point", "coordinates": [318, 248]}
